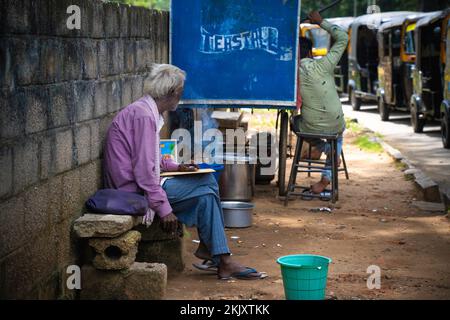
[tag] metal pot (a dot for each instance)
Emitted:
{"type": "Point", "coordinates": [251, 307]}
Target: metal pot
{"type": "Point", "coordinates": [237, 182]}
{"type": "Point", "coordinates": [237, 214]}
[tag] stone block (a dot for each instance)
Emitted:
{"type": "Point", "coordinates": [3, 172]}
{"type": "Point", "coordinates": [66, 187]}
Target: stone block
{"type": "Point", "coordinates": [26, 164]}
{"type": "Point", "coordinates": [115, 253]}
{"type": "Point", "coordinates": [60, 101]}
{"type": "Point", "coordinates": [51, 59]}
{"type": "Point", "coordinates": [97, 25]}
{"type": "Point", "coordinates": [133, 27]}
{"type": "Point", "coordinates": [36, 215]}
{"type": "Point", "coordinates": [6, 171]}
{"type": "Point", "coordinates": [89, 58]}
{"type": "Point", "coordinates": [123, 16]}
{"type": "Point", "coordinates": [115, 56]}
{"type": "Point", "coordinates": [103, 60]}
{"type": "Point", "coordinates": [17, 17]}
{"type": "Point", "coordinates": [35, 109]}
{"type": "Point", "coordinates": [90, 178]}
{"type": "Point", "coordinates": [142, 281]}
{"type": "Point", "coordinates": [72, 66]}
{"type": "Point", "coordinates": [143, 55]}
{"type": "Point", "coordinates": [83, 144]}
{"type": "Point", "coordinates": [137, 87]}
{"type": "Point", "coordinates": [40, 17]}
{"type": "Point", "coordinates": [169, 252]}
{"type": "Point", "coordinates": [12, 230]}
{"type": "Point", "coordinates": [429, 188]}
{"type": "Point", "coordinates": [46, 156]}
{"type": "Point", "coordinates": [63, 150]}
{"type": "Point", "coordinates": [84, 100]}
{"type": "Point", "coordinates": [102, 225]}
{"type": "Point", "coordinates": [114, 95]}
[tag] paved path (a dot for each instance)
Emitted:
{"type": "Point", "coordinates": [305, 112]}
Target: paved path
{"type": "Point", "coordinates": [424, 150]}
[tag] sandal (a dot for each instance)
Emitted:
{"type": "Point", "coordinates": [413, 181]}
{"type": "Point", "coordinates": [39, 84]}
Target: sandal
{"type": "Point", "coordinates": [246, 275]}
{"type": "Point", "coordinates": [207, 265]}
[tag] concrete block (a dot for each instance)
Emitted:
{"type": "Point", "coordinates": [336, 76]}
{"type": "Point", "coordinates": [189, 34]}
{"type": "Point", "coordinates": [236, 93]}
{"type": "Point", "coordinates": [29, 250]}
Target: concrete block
{"type": "Point", "coordinates": [103, 60]}
{"type": "Point", "coordinates": [60, 105]}
{"type": "Point", "coordinates": [40, 17]}
{"type": "Point", "coordinates": [115, 253]}
{"type": "Point", "coordinates": [115, 56]}
{"type": "Point", "coordinates": [114, 95]}
{"type": "Point", "coordinates": [90, 179]}
{"type": "Point", "coordinates": [26, 64]}
{"type": "Point", "coordinates": [36, 109]}
{"type": "Point", "coordinates": [51, 60]}
{"type": "Point", "coordinates": [142, 281]}
{"type": "Point", "coordinates": [72, 66]}
{"type": "Point", "coordinates": [155, 233]}
{"type": "Point", "coordinates": [63, 150]}
{"type": "Point", "coordinates": [129, 56]}
{"type": "Point", "coordinates": [59, 16]}
{"type": "Point", "coordinates": [133, 27]}
{"type": "Point", "coordinates": [36, 215]}
{"type": "Point", "coordinates": [83, 144]}
{"type": "Point", "coordinates": [100, 98]}
{"type": "Point", "coordinates": [17, 17]}
{"type": "Point", "coordinates": [84, 100]}
{"type": "Point", "coordinates": [102, 225]}
{"type": "Point", "coordinates": [169, 252]}
{"type": "Point", "coordinates": [429, 188]}
{"type": "Point", "coordinates": [97, 25]}
{"type": "Point", "coordinates": [123, 18]}
{"type": "Point", "coordinates": [105, 123]}
{"type": "Point", "coordinates": [12, 230]}
{"type": "Point", "coordinates": [138, 87]}
{"type": "Point", "coordinates": [6, 76]}
{"type": "Point", "coordinates": [6, 171]}
{"type": "Point", "coordinates": [111, 20]}
{"type": "Point", "coordinates": [46, 156]}
{"type": "Point", "coordinates": [143, 55]}
{"type": "Point", "coordinates": [26, 164]}
{"type": "Point", "coordinates": [127, 91]}
{"type": "Point", "coordinates": [71, 201]}
{"type": "Point", "coordinates": [145, 18]}
{"type": "Point", "coordinates": [96, 142]}
{"type": "Point", "coordinates": [89, 58]}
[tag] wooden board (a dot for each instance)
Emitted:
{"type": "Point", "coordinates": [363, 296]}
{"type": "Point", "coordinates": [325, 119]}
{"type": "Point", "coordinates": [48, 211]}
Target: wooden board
{"type": "Point", "coordinates": [179, 173]}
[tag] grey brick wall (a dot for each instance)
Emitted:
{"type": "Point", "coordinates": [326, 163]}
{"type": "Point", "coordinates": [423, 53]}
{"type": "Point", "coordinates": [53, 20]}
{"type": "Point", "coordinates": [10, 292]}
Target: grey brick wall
{"type": "Point", "coordinates": [59, 91]}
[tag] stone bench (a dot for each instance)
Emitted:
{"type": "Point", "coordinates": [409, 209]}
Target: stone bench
{"type": "Point", "coordinates": [120, 247]}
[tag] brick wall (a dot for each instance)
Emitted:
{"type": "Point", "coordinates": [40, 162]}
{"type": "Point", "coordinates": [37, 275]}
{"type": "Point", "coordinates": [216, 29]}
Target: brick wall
{"type": "Point", "coordinates": [59, 90]}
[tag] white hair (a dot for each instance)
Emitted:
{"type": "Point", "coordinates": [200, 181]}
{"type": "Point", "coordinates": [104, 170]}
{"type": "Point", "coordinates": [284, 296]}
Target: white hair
{"type": "Point", "coordinates": [164, 80]}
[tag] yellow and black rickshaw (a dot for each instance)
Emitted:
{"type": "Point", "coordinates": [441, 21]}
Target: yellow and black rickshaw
{"type": "Point", "coordinates": [428, 72]}
{"type": "Point", "coordinates": [341, 70]}
{"type": "Point", "coordinates": [445, 105]}
{"type": "Point", "coordinates": [319, 37]}
{"type": "Point", "coordinates": [397, 55]}
{"type": "Point", "coordinates": [363, 56]}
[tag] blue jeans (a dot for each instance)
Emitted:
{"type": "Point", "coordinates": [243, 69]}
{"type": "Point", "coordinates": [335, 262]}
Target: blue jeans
{"type": "Point", "coordinates": [325, 147]}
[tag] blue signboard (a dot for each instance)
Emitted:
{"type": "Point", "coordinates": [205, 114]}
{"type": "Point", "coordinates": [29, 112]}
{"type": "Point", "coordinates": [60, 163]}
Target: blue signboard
{"type": "Point", "coordinates": [240, 52]}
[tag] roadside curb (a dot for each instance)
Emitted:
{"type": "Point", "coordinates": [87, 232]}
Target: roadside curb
{"type": "Point", "coordinates": [427, 186]}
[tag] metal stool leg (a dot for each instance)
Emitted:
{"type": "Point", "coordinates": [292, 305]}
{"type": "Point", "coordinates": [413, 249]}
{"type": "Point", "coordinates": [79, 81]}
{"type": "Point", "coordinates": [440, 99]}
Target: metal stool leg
{"type": "Point", "coordinates": [294, 170]}
{"type": "Point", "coordinates": [344, 164]}
{"type": "Point", "coordinates": [309, 163]}
{"type": "Point", "coordinates": [335, 172]}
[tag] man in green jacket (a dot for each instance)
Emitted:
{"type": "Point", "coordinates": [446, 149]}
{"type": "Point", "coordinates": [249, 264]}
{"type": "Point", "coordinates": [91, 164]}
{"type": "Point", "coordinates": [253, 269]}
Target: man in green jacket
{"type": "Point", "coordinates": [321, 107]}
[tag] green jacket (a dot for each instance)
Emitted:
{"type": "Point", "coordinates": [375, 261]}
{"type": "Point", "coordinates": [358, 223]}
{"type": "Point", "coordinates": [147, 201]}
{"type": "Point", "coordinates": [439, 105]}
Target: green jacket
{"type": "Point", "coordinates": [322, 109]}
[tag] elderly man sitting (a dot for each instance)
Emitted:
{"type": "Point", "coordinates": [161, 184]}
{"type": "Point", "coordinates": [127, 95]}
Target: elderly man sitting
{"type": "Point", "coordinates": [132, 162]}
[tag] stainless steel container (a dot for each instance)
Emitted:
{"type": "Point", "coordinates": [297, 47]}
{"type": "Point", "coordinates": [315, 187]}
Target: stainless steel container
{"type": "Point", "coordinates": [237, 214]}
{"type": "Point", "coordinates": [237, 181]}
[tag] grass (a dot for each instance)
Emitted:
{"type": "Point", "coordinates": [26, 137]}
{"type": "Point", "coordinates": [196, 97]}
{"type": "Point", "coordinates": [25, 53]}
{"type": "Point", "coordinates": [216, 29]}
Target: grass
{"type": "Point", "coordinates": [366, 143]}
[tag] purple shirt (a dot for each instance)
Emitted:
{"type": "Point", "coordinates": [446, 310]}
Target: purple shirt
{"type": "Point", "coordinates": [130, 156]}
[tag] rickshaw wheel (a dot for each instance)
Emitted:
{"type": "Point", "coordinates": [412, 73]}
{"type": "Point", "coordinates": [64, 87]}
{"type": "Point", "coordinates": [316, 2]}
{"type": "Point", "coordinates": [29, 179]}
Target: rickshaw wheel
{"type": "Point", "coordinates": [416, 122]}
{"type": "Point", "coordinates": [356, 102]}
{"type": "Point", "coordinates": [445, 131]}
{"type": "Point", "coordinates": [383, 109]}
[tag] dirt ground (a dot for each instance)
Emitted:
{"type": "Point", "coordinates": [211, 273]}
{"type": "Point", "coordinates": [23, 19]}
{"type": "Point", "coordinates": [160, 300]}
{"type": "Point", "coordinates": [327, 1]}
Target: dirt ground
{"type": "Point", "coordinates": [374, 223]}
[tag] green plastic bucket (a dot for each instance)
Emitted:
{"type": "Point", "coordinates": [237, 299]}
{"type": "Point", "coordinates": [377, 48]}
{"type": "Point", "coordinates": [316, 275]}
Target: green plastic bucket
{"type": "Point", "coordinates": [304, 276]}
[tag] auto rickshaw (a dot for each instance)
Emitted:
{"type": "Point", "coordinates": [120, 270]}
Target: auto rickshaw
{"type": "Point", "coordinates": [341, 70]}
{"type": "Point", "coordinates": [319, 37]}
{"type": "Point", "coordinates": [363, 56]}
{"type": "Point", "coordinates": [445, 105]}
{"type": "Point", "coordinates": [428, 72]}
{"type": "Point", "coordinates": [397, 55]}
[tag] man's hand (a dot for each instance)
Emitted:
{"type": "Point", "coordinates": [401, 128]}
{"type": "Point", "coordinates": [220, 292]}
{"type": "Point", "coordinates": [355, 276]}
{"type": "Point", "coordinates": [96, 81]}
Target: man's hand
{"type": "Point", "coordinates": [169, 223]}
{"type": "Point", "coordinates": [184, 167]}
{"type": "Point", "coordinates": [315, 17]}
